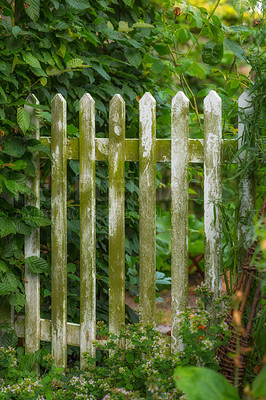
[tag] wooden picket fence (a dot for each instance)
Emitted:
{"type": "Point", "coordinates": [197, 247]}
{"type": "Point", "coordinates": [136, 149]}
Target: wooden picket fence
{"type": "Point", "coordinates": [180, 150]}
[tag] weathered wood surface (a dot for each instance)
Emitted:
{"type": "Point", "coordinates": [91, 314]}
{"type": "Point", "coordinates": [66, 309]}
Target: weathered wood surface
{"type": "Point", "coordinates": [163, 149]}
{"type": "Point", "coordinates": [87, 192]}
{"type": "Point", "coordinates": [212, 191]}
{"type": "Point", "coordinates": [59, 230]}
{"type": "Point", "coordinates": [116, 214]}
{"type": "Point", "coordinates": [147, 207]}
{"type": "Point", "coordinates": [32, 248]}
{"type": "Point", "coordinates": [179, 210]}
{"type": "Point", "coordinates": [248, 184]}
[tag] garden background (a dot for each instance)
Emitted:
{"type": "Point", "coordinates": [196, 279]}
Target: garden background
{"type": "Point", "coordinates": [126, 47]}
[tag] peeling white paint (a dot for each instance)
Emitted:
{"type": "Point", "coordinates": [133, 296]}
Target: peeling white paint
{"type": "Point", "coordinates": [212, 190]}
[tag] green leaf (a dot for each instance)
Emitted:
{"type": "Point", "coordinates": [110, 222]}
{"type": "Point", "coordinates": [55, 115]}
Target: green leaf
{"type": "Point", "coordinates": [158, 67]}
{"type": "Point", "coordinates": [17, 300]}
{"type": "Point", "coordinates": [53, 71]}
{"type": "Point", "coordinates": [36, 264]}
{"type": "Point", "coordinates": [33, 9]}
{"type": "Point", "coordinates": [258, 386]}
{"type": "Point", "coordinates": [31, 60]}
{"type": "Point", "coordinates": [27, 361]}
{"type": "Point", "coordinates": [241, 6]}
{"type": "Point", "coordinates": [123, 27]}
{"type": "Point", "coordinates": [14, 147]}
{"type": "Point", "coordinates": [22, 228]}
{"type": "Point", "coordinates": [78, 4]}
{"type": "Point", "coordinates": [235, 49]}
{"type": "Point", "coordinates": [5, 288]}
{"type": "Point", "coordinates": [207, 384]}
{"type": "Point", "coordinates": [34, 217]}
{"type": "Point", "coordinates": [133, 57]}
{"type": "Point", "coordinates": [7, 227]}
{"type": "Point", "coordinates": [74, 63]}
{"type": "Point", "coordinates": [212, 53]}
{"type": "Point", "coordinates": [23, 119]}
{"type": "Point", "coordinates": [43, 81]}
{"type": "Point", "coordinates": [16, 31]}
{"type": "Point", "coordinates": [183, 35]}
{"type": "Point", "coordinates": [18, 165]}
{"type": "Point", "coordinates": [129, 3]}
{"type": "Point", "coordinates": [142, 24]}
{"type": "Point", "coordinates": [183, 65]}
{"type": "Point", "coordinates": [10, 339]}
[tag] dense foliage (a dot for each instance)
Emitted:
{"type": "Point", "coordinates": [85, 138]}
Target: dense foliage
{"type": "Point", "coordinates": [126, 47]}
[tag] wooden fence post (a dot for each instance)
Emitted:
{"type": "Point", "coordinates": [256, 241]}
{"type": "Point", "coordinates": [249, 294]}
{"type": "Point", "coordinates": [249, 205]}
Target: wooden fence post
{"type": "Point", "coordinates": [147, 207]}
{"type": "Point", "coordinates": [248, 184]}
{"type": "Point", "coordinates": [179, 210]}
{"type": "Point", "coordinates": [117, 151]}
{"type": "Point", "coordinates": [59, 230]}
{"type": "Point", "coordinates": [87, 194]}
{"type": "Point", "coordinates": [212, 191]}
{"type": "Point", "coordinates": [32, 248]}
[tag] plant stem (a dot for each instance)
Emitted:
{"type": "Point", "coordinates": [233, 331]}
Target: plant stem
{"type": "Point", "coordinates": [204, 25]}
{"type": "Point", "coordinates": [195, 102]}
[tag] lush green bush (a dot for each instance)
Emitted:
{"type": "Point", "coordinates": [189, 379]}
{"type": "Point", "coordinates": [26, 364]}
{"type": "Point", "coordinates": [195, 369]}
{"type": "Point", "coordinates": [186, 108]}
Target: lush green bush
{"type": "Point", "coordinates": [143, 369]}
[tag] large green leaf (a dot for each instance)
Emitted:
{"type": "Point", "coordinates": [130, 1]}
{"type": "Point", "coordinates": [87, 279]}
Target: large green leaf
{"type": "Point", "coordinates": [34, 217]}
{"type": "Point", "coordinates": [32, 8]}
{"type": "Point", "coordinates": [31, 60]}
{"type": "Point", "coordinates": [203, 383]}
{"type": "Point", "coordinates": [17, 300]}
{"type": "Point", "coordinates": [14, 147]}
{"type": "Point", "coordinates": [10, 339]}
{"type": "Point", "coordinates": [78, 4]}
{"type": "Point", "coordinates": [183, 65]}
{"type": "Point", "coordinates": [23, 119]}
{"type": "Point", "coordinates": [235, 49]}
{"type": "Point", "coordinates": [212, 53]}
{"type": "Point", "coordinates": [258, 385]}
{"type": "Point", "coordinates": [36, 264]}
{"type": "Point", "coordinates": [133, 57]}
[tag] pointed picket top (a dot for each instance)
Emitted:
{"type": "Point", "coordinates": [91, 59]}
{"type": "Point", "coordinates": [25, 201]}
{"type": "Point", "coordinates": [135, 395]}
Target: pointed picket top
{"type": "Point", "coordinates": [58, 98]}
{"type": "Point", "coordinates": [180, 102]}
{"type": "Point", "coordinates": [117, 98]}
{"type": "Point", "coordinates": [86, 99]}
{"type": "Point", "coordinates": [147, 98]}
{"type": "Point", "coordinates": [31, 98]}
{"type": "Point", "coordinates": [212, 103]}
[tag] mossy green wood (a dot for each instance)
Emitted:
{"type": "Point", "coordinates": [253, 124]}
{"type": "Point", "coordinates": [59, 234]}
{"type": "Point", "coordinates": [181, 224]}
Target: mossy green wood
{"type": "Point", "coordinates": [212, 191]}
{"type": "Point", "coordinates": [32, 248]}
{"type": "Point", "coordinates": [147, 207]}
{"type": "Point", "coordinates": [87, 192]}
{"type": "Point", "coordinates": [59, 230]}
{"type": "Point", "coordinates": [179, 211]}
{"type": "Point", "coordinates": [248, 184]}
{"type": "Point", "coordinates": [163, 149]}
{"type": "Point", "coordinates": [117, 151]}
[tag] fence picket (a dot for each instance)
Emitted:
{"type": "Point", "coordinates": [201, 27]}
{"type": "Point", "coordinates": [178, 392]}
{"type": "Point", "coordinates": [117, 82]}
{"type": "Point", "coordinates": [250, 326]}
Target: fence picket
{"type": "Point", "coordinates": [248, 190]}
{"type": "Point", "coordinates": [87, 226]}
{"type": "Point", "coordinates": [212, 191]}
{"type": "Point", "coordinates": [180, 150]}
{"type": "Point", "coordinates": [32, 248]}
{"type": "Point", "coordinates": [147, 207]}
{"type": "Point", "coordinates": [117, 151]}
{"type": "Point", "coordinates": [179, 210]}
{"type": "Point", "coordinates": [59, 230]}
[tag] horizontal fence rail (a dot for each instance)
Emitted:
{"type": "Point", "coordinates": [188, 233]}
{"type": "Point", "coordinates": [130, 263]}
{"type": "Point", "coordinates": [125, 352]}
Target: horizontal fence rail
{"type": "Point", "coordinates": [180, 150]}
